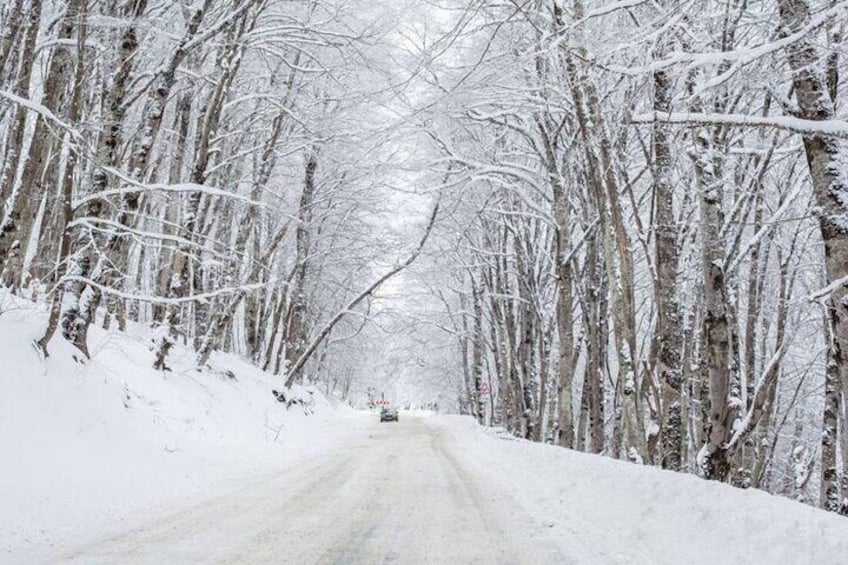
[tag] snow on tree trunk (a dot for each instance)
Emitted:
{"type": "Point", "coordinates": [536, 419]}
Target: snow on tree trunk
{"type": "Point", "coordinates": [826, 158]}
{"type": "Point", "coordinates": [668, 332]}
{"type": "Point", "coordinates": [477, 355]}
{"type": "Point", "coordinates": [11, 27]}
{"type": "Point", "coordinates": [66, 194]}
{"type": "Point", "coordinates": [184, 255]}
{"type": "Point", "coordinates": [38, 180]}
{"type": "Point", "coordinates": [295, 334]}
{"type": "Point", "coordinates": [9, 218]}
{"type": "Point", "coordinates": [79, 304]}
{"type": "Point", "coordinates": [713, 458]}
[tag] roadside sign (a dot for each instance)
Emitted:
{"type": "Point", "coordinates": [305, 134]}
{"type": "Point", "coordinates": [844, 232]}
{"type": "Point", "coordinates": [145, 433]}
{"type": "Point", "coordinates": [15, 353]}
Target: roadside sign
{"type": "Point", "coordinates": [484, 389]}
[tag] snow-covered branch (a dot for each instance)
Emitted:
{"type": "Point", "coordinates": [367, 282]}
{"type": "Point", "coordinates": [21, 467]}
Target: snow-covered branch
{"type": "Point", "coordinates": [297, 367]}
{"type": "Point", "coordinates": [163, 300]}
{"type": "Point", "coordinates": [835, 128]}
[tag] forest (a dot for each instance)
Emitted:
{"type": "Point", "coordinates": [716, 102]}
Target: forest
{"type": "Point", "coordinates": [620, 227]}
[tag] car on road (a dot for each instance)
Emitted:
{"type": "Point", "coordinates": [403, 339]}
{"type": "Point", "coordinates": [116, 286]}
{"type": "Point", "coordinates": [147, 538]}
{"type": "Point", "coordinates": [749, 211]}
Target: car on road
{"type": "Point", "coordinates": [388, 415]}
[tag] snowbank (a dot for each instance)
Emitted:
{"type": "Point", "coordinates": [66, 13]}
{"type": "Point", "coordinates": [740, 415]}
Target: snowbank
{"type": "Point", "coordinates": [631, 514]}
{"type": "Point", "coordinates": [87, 449]}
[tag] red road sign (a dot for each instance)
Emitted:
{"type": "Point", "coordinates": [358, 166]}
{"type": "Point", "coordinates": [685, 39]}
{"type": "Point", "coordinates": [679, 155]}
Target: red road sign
{"type": "Point", "coordinates": [484, 389]}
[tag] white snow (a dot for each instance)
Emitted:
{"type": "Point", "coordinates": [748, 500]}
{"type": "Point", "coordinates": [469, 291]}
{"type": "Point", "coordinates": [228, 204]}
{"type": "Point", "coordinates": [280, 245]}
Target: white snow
{"type": "Point", "coordinates": [613, 512]}
{"type": "Point", "coordinates": [90, 449]}
{"type": "Point", "coordinates": [836, 128]}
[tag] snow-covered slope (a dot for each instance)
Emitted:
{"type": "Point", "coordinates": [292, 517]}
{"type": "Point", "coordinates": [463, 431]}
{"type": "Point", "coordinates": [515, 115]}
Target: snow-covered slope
{"type": "Point", "coordinates": [612, 512]}
{"type": "Point", "coordinates": [90, 448]}
{"type": "Point", "coordinates": [93, 450]}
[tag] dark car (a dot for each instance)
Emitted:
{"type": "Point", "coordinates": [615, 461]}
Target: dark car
{"type": "Point", "coordinates": [388, 415]}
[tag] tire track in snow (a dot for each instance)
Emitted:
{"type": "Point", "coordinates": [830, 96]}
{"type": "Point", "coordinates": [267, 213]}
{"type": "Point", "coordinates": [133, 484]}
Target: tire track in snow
{"type": "Point", "coordinates": [402, 495]}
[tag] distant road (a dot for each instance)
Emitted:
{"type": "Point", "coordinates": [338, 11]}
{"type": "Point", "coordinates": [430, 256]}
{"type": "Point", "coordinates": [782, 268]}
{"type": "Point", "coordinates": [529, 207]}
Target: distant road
{"type": "Point", "coordinates": [402, 495]}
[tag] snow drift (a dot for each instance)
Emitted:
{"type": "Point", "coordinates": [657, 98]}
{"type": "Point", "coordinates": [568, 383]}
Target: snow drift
{"type": "Point", "coordinates": [88, 448]}
{"type": "Point", "coordinates": [614, 512]}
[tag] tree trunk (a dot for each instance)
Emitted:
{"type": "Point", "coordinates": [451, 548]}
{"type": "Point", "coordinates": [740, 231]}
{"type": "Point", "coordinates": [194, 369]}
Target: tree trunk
{"type": "Point", "coordinates": [80, 303]}
{"type": "Point", "coordinates": [594, 312]}
{"type": "Point", "coordinates": [40, 170]}
{"type": "Point", "coordinates": [668, 336]}
{"type": "Point", "coordinates": [15, 139]}
{"type": "Point", "coordinates": [67, 185]}
{"type": "Point", "coordinates": [603, 182]}
{"type": "Point", "coordinates": [723, 401]}
{"type": "Point", "coordinates": [11, 27]}
{"type": "Point", "coordinates": [113, 260]}
{"type": "Point", "coordinates": [295, 331]}
{"type": "Point", "coordinates": [477, 354]}
{"type": "Point", "coordinates": [826, 157]}
{"type": "Point", "coordinates": [228, 64]}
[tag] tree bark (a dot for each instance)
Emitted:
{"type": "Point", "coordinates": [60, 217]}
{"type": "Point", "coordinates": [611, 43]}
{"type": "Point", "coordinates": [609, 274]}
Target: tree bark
{"type": "Point", "coordinates": [11, 32]}
{"type": "Point", "coordinates": [826, 157]}
{"type": "Point", "coordinates": [296, 329]}
{"type": "Point", "coordinates": [668, 336]}
{"type": "Point", "coordinates": [67, 186]}
{"type": "Point", "coordinates": [15, 139]}
{"type": "Point", "coordinates": [723, 401]}
{"type": "Point", "coordinates": [178, 287]}
{"type": "Point", "coordinates": [40, 169]}
{"type": "Point", "coordinates": [80, 301]}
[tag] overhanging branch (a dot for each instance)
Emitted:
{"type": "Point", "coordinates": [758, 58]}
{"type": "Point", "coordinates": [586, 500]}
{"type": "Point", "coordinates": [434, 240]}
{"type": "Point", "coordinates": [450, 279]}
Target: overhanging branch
{"type": "Point", "coordinates": [295, 369]}
{"type": "Point", "coordinates": [835, 128]}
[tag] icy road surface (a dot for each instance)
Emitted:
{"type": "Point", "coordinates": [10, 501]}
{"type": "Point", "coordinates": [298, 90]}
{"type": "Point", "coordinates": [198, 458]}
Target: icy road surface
{"type": "Point", "coordinates": [402, 495]}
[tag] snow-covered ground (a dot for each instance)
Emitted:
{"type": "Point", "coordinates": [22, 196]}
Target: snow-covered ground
{"type": "Point", "coordinates": [88, 449]}
{"type": "Point", "coordinates": [110, 461]}
{"type": "Point", "coordinates": [613, 512]}
{"type": "Point", "coordinates": [434, 490]}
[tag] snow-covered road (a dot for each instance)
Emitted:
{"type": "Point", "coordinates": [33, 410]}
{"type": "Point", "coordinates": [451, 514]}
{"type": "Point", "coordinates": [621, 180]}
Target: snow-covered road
{"type": "Point", "coordinates": [401, 495]}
